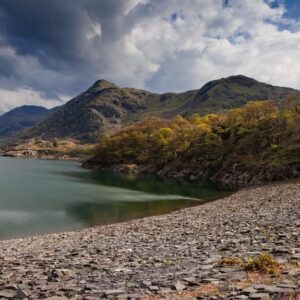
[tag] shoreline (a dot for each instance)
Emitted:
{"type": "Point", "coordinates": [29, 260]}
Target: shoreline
{"type": "Point", "coordinates": [228, 177]}
{"type": "Point", "coordinates": [75, 159]}
{"type": "Point", "coordinates": [162, 255]}
{"type": "Point", "coordinates": [78, 230]}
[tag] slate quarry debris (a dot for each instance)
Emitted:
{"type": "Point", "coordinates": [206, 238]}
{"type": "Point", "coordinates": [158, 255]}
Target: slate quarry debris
{"type": "Point", "coordinates": [173, 256]}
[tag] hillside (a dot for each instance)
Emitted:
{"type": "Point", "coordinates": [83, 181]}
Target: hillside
{"type": "Point", "coordinates": [105, 107]}
{"type": "Point", "coordinates": [253, 144]}
{"type": "Point", "coordinates": [231, 92]}
{"type": "Point", "coordinates": [21, 118]}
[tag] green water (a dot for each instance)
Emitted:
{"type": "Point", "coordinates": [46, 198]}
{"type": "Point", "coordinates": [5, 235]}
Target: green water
{"type": "Point", "coordinates": [40, 196]}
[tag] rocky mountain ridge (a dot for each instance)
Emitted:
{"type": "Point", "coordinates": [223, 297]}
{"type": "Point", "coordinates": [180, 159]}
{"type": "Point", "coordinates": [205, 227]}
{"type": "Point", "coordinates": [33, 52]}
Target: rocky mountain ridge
{"type": "Point", "coordinates": [105, 107]}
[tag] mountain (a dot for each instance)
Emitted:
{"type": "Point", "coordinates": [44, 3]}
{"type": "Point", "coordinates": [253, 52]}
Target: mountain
{"type": "Point", "coordinates": [105, 107]}
{"type": "Point", "coordinates": [231, 92]}
{"type": "Point", "coordinates": [21, 118]}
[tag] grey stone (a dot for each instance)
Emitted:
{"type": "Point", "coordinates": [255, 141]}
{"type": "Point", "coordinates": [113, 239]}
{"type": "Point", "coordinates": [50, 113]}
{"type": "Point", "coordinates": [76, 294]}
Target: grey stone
{"type": "Point", "coordinates": [249, 290]}
{"type": "Point", "coordinates": [56, 298]}
{"type": "Point", "coordinates": [113, 292]}
{"type": "Point", "coordinates": [7, 294]}
{"type": "Point", "coordinates": [260, 296]}
{"type": "Point", "coordinates": [160, 251]}
{"type": "Point", "coordinates": [20, 294]}
{"type": "Point", "coordinates": [179, 286]}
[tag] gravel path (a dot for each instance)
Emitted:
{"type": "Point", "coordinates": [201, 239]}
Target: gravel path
{"type": "Point", "coordinates": [172, 256]}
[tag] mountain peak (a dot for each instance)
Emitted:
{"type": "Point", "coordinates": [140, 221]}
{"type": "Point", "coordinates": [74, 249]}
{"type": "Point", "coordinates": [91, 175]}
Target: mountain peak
{"type": "Point", "coordinates": [103, 84]}
{"type": "Point", "coordinates": [242, 80]}
{"type": "Point", "coordinates": [104, 107]}
{"type": "Point", "coordinates": [28, 109]}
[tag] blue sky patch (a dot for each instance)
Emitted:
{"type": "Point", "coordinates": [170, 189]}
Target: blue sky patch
{"type": "Point", "coordinates": [292, 7]}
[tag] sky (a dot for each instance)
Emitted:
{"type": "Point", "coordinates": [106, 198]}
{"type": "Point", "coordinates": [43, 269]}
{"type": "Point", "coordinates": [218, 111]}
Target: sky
{"type": "Point", "coordinates": [52, 50]}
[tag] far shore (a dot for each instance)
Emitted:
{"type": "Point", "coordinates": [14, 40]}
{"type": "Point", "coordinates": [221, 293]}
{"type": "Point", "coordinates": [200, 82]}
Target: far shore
{"type": "Point", "coordinates": [66, 158]}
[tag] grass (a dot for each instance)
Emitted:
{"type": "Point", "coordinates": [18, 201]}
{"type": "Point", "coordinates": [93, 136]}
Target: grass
{"type": "Point", "coordinates": [263, 263]}
{"type": "Point", "coordinates": [229, 261]}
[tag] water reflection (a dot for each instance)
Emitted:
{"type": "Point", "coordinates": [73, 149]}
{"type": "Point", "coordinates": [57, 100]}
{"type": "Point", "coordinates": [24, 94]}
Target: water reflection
{"type": "Point", "coordinates": [151, 184]}
{"type": "Point", "coordinates": [39, 196]}
{"type": "Point", "coordinates": [107, 213]}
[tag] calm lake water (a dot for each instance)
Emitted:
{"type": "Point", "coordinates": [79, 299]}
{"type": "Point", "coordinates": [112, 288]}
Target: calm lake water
{"type": "Point", "coordinates": [40, 196]}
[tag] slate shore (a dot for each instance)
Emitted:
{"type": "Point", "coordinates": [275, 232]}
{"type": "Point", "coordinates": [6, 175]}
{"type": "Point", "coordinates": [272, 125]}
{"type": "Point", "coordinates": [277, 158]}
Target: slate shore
{"type": "Point", "coordinates": [173, 256]}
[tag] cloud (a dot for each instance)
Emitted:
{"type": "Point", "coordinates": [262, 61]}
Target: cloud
{"type": "Point", "coordinates": [20, 96]}
{"type": "Point", "coordinates": [55, 48]}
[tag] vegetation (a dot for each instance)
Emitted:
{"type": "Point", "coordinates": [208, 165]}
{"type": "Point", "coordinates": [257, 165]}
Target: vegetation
{"type": "Point", "coordinates": [259, 137]}
{"type": "Point", "coordinates": [263, 263]}
{"type": "Point", "coordinates": [230, 261]}
{"type": "Point", "coordinates": [104, 107]}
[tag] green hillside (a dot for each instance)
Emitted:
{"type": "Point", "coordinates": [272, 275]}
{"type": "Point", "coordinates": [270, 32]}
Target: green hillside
{"type": "Point", "coordinates": [256, 143]}
{"type": "Point", "coordinates": [104, 107]}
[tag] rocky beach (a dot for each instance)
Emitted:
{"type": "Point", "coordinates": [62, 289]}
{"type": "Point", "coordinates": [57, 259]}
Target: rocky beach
{"type": "Point", "coordinates": [201, 252]}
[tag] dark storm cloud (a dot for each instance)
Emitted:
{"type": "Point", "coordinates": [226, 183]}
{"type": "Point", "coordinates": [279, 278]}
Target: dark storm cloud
{"type": "Point", "coordinates": [59, 36]}
{"type": "Point", "coordinates": [55, 27]}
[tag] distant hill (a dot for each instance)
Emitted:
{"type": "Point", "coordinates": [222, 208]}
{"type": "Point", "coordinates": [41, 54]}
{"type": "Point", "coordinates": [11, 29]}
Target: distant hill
{"type": "Point", "coordinates": [105, 107]}
{"type": "Point", "coordinates": [21, 118]}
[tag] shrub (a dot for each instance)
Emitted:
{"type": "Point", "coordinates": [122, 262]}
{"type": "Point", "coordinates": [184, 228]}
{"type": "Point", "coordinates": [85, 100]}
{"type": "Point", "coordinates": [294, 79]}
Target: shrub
{"type": "Point", "coordinates": [263, 263]}
{"type": "Point", "coordinates": [229, 261]}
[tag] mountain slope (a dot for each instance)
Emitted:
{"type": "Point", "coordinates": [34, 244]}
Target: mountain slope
{"type": "Point", "coordinates": [21, 118]}
{"type": "Point", "coordinates": [105, 107]}
{"type": "Point", "coordinates": [102, 108]}
{"type": "Point", "coordinates": [226, 93]}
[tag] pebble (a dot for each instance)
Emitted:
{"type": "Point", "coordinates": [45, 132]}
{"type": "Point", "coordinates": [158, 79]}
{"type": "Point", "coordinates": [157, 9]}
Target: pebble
{"type": "Point", "coordinates": [258, 296]}
{"type": "Point", "coordinates": [179, 286]}
{"type": "Point", "coordinates": [163, 255]}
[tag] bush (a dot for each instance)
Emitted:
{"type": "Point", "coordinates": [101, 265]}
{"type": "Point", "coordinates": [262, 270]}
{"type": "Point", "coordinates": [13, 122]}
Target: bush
{"type": "Point", "coordinates": [229, 261]}
{"type": "Point", "coordinates": [263, 263]}
{"type": "Point", "coordinates": [258, 132]}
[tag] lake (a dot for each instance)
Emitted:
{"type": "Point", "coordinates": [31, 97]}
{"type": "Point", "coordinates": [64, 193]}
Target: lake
{"type": "Point", "coordinates": [43, 196]}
